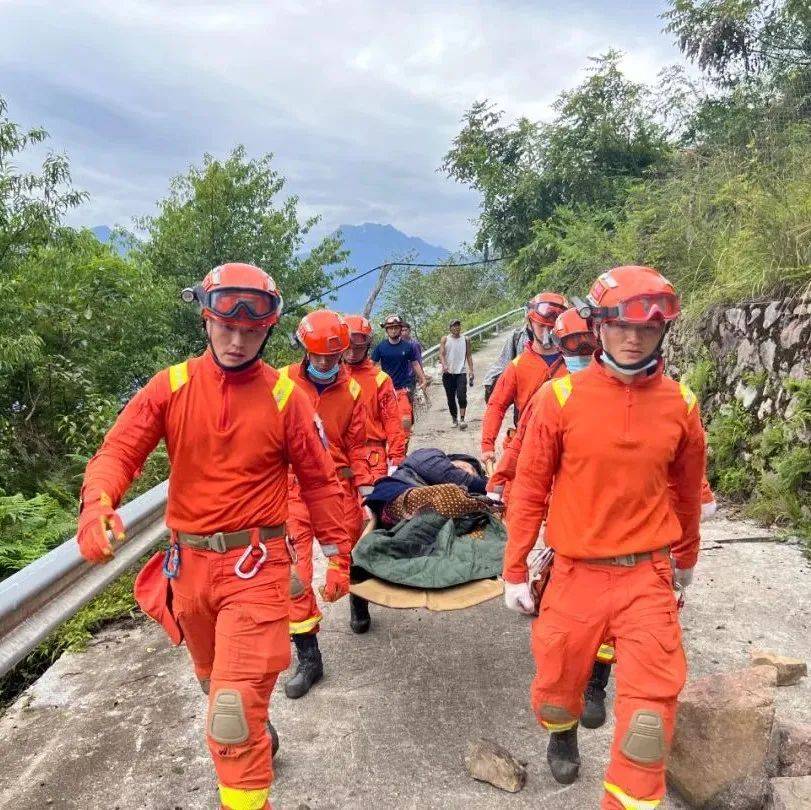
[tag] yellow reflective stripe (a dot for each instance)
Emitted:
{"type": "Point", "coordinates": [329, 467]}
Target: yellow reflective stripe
{"type": "Point", "coordinates": [354, 388]}
{"type": "Point", "coordinates": [380, 378]}
{"type": "Point", "coordinates": [305, 626]}
{"type": "Point", "coordinates": [558, 726]}
{"type": "Point", "coordinates": [178, 375]}
{"type": "Point", "coordinates": [629, 802]}
{"type": "Point", "coordinates": [562, 386]}
{"type": "Point", "coordinates": [606, 652]}
{"type": "Point", "coordinates": [689, 397]}
{"type": "Point", "coordinates": [515, 362]}
{"type": "Point", "coordinates": [239, 799]}
{"type": "Point", "coordinates": [283, 388]}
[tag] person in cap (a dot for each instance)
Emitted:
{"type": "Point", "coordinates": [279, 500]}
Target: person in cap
{"type": "Point", "coordinates": [399, 359]}
{"type": "Point", "coordinates": [454, 353]}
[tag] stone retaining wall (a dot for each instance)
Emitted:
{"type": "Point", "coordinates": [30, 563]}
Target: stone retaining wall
{"type": "Point", "coordinates": [746, 352]}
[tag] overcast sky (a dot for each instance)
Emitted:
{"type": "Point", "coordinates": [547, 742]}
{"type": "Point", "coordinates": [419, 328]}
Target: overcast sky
{"type": "Point", "coordinates": [358, 100]}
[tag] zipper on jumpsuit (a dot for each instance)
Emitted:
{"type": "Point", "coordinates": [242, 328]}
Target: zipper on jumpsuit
{"type": "Point", "coordinates": [222, 422]}
{"type": "Point", "coordinates": [628, 399]}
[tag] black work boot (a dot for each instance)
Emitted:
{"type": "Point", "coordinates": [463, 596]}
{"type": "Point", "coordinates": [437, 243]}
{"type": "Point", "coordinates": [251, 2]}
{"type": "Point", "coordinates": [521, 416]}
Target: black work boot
{"type": "Point", "coordinates": [563, 756]}
{"type": "Point", "coordinates": [359, 619]}
{"type": "Point", "coordinates": [594, 710]}
{"type": "Point", "coordinates": [274, 738]}
{"type": "Point", "coordinates": [309, 669]}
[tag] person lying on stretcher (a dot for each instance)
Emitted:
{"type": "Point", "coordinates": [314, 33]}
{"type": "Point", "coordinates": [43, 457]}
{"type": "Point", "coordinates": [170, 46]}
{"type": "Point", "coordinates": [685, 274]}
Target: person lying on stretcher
{"type": "Point", "coordinates": [451, 484]}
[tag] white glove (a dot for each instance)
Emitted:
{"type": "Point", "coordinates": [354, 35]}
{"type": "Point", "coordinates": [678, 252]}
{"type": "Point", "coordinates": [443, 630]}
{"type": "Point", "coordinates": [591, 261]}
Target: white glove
{"type": "Point", "coordinates": [392, 469]}
{"type": "Point", "coordinates": [495, 496]}
{"type": "Point", "coordinates": [683, 577]}
{"type": "Point", "coordinates": [517, 597]}
{"type": "Point", "coordinates": [708, 509]}
{"type": "Point", "coordinates": [365, 490]}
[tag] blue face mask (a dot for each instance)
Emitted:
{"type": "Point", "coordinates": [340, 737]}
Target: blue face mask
{"type": "Point", "coordinates": [322, 376]}
{"type": "Point", "coordinates": [578, 362]}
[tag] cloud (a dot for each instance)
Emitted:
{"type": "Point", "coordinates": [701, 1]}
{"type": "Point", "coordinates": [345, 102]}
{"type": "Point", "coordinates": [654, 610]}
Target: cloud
{"type": "Point", "coordinates": [358, 100]}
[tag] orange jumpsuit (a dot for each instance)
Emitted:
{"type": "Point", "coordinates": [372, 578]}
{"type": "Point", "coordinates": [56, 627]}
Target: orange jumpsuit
{"type": "Point", "coordinates": [385, 439]}
{"type": "Point", "coordinates": [610, 450]}
{"type": "Point", "coordinates": [343, 419]}
{"type": "Point", "coordinates": [231, 438]}
{"type": "Point", "coordinates": [519, 381]}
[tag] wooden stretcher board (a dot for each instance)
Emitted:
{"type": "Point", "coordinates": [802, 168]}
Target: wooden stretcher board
{"type": "Point", "coordinates": [458, 597]}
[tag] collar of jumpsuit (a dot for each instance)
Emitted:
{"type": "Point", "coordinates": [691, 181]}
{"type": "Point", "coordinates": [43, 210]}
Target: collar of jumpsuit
{"type": "Point", "coordinates": [236, 376]}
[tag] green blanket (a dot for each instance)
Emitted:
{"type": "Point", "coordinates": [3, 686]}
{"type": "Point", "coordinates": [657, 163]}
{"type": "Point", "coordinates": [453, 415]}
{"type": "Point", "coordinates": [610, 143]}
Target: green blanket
{"type": "Point", "coordinates": [432, 551]}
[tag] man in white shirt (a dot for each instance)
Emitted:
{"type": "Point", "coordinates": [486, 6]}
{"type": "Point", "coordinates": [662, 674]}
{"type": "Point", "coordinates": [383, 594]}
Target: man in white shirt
{"type": "Point", "coordinates": [454, 353]}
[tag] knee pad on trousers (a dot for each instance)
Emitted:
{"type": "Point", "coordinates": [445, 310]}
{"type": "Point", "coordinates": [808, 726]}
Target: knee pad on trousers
{"type": "Point", "coordinates": [556, 718]}
{"type": "Point", "coordinates": [644, 741]}
{"type": "Point", "coordinates": [227, 723]}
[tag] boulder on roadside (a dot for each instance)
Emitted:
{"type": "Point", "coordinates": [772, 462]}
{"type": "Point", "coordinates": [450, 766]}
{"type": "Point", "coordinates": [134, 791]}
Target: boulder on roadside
{"type": "Point", "coordinates": [790, 793]}
{"type": "Point", "coordinates": [487, 761]}
{"type": "Point", "coordinates": [725, 744]}
{"type": "Point", "coordinates": [789, 670]}
{"type": "Point", "coordinates": [795, 749]}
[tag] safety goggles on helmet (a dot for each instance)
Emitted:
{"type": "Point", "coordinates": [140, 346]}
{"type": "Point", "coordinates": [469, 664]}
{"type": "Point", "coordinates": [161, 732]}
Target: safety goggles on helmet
{"type": "Point", "coordinates": [636, 309]}
{"type": "Point", "coordinates": [577, 342]}
{"type": "Point", "coordinates": [359, 340]}
{"type": "Point", "coordinates": [546, 309]}
{"type": "Point", "coordinates": [234, 302]}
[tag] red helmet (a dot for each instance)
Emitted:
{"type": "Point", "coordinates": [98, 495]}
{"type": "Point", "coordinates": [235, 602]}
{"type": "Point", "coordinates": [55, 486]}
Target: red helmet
{"type": "Point", "coordinates": [323, 332]}
{"type": "Point", "coordinates": [572, 335]}
{"type": "Point", "coordinates": [360, 330]}
{"type": "Point", "coordinates": [634, 295]}
{"type": "Point", "coordinates": [545, 307]}
{"type": "Point", "coordinates": [237, 293]}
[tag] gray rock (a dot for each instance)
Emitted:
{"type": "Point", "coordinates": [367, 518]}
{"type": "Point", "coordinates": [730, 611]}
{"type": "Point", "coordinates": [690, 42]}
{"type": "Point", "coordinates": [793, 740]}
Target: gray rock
{"type": "Point", "coordinates": [790, 793]}
{"type": "Point", "coordinates": [747, 793]}
{"type": "Point", "coordinates": [745, 394]}
{"type": "Point", "coordinates": [795, 749]}
{"type": "Point", "coordinates": [767, 350]}
{"type": "Point", "coordinates": [791, 334]}
{"type": "Point", "coordinates": [754, 314]}
{"type": "Point", "coordinates": [487, 761]}
{"type": "Point", "coordinates": [747, 356]}
{"type": "Point", "coordinates": [765, 409]}
{"type": "Point", "coordinates": [725, 739]}
{"type": "Point", "coordinates": [771, 314]}
{"type": "Point", "coordinates": [736, 318]}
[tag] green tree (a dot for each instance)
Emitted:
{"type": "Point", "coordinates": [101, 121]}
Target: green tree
{"type": "Point", "coordinates": [603, 138]}
{"type": "Point", "coordinates": [32, 204]}
{"type": "Point", "coordinates": [230, 211]}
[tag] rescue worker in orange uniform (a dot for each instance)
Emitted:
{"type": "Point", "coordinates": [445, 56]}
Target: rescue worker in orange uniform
{"type": "Point", "coordinates": [385, 439]}
{"type": "Point", "coordinates": [338, 401]}
{"type": "Point", "coordinates": [539, 362]}
{"type": "Point", "coordinates": [604, 443]}
{"type": "Point", "coordinates": [232, 426]}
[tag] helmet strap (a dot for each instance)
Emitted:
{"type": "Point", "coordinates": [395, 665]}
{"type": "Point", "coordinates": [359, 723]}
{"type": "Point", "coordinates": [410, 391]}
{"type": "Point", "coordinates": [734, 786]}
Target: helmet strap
{"type": "Point", "coordinates": [645, 364]}
{"type": "Point", "coordinates": [360, 360]}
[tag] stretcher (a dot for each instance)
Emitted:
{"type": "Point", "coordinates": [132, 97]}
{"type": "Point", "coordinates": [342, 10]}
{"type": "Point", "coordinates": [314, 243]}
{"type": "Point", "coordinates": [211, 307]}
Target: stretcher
{"type": "Point", "coordinates": [391, 595]}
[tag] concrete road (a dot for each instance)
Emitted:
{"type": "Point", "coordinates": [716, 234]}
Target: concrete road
{"type": "Point", "coordinates": [120, 726]}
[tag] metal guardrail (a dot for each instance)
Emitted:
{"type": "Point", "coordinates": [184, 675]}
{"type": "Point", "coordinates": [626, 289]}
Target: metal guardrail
{"type": "Point", "coordinates": [49, 591]}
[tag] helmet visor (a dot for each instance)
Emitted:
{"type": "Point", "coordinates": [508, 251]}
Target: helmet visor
{"type": "Point", "coordinates": [549, 310]}
{"type": "Point", "coordinates": [255, 304]}
{"type": "Point", "coordinates": [577, 343]}
{"type": "Point", "coordinates": [644, 308]}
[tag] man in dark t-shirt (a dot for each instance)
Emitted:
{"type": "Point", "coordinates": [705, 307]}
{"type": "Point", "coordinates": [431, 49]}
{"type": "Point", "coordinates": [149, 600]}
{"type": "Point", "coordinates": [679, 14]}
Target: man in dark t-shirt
{"type": "Point", "coordinates": [398, 358]}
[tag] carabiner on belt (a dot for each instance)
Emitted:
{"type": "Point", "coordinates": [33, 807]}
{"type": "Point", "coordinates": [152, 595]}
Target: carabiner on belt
{"type": "Point", "coordinates": [171, 561]}
{"type": "Point", "coordinates": [259, 552]}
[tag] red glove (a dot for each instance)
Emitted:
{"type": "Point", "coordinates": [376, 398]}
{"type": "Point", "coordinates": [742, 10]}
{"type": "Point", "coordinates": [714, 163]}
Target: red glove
{"type": "Point", "coordinates": [95, 520]}
{"type": "Point", "coordinates": [337, 582]}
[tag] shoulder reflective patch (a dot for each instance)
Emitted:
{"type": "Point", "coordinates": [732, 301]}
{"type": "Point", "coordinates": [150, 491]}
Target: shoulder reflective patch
{"type": "Point", "coordinates": [380, 378]}
{"type": "Point", "coordinates": [178, 376]}
{"type": "Point", "coordinates": [688, 396]}
{"type": "Point", "coordinates": [516, 360]}
{"type": "Point", "coordinates": [562, 386]}
{"type": "Point", "coordinates": [322, 434]}
{"type": "Point", "coordinates": [282, 389]}
{"type": "Point", "coordinates": [354, 388]}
